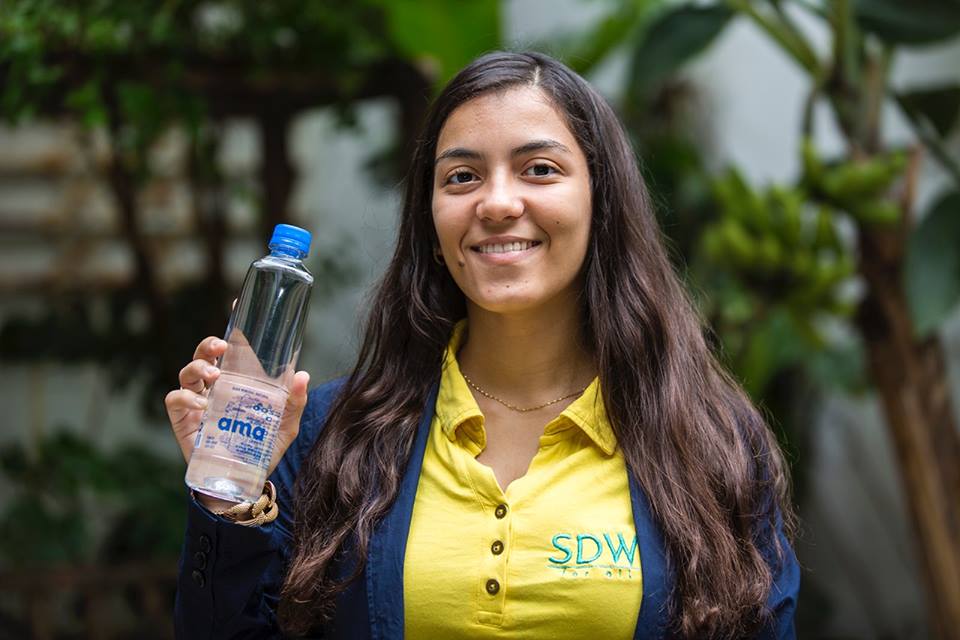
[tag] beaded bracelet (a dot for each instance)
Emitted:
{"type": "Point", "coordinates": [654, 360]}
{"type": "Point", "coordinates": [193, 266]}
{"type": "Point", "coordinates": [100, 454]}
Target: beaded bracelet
{"type": "Point", "coordinates": [254, 514]}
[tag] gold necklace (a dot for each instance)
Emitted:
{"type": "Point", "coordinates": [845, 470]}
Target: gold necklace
{"type": "Point", "coordinates": [518, 409]}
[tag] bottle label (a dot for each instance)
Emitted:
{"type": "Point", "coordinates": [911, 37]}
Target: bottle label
{"type": "Point", "coordinates": [241, 420]}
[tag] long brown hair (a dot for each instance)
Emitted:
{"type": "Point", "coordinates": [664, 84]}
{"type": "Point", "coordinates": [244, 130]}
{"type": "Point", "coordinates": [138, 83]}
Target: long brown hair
{"type": "Point", "coordinates": [711, 469]}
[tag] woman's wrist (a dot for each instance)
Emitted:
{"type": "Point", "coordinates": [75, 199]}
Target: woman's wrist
{"type": "Point", "coordinates": [249, 514]}
{"type": "Point", "coordinates": [211, 504]}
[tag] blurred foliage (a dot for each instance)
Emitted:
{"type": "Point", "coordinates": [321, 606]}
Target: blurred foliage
{"type": "Point", "coordinates": [440, 37]}
{"type": "Point", "coordinates": [933, 265]}
{"type": "Point", "coordinates": [672, 38]}
{"type": "Point", "coordinates": [112, 328]}
{"type": "Point", "coordinates": [45, 45]}
{"type": "Point", "coordinates": [786, 253]}
{"type": "Point", "coordinates": [801, 280]}
{"type": "Point", "coordinates": [72, 502]}
{"type": "Point", "coordinates": [584, 49]}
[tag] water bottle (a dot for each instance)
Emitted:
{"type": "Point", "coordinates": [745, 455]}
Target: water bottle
{"type": "Point", "coordinates": [239, 427]}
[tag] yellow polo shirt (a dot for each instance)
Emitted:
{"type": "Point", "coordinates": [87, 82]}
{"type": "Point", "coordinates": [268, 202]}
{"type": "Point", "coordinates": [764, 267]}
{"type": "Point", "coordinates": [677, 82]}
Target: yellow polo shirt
{"type": "Point", "coordinates": [555, 556]}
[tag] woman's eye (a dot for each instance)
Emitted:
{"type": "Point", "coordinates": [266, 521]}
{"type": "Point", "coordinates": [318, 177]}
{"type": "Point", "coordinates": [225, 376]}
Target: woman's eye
{"type": "Point", "coordinates": [461, 177]}
{"type": "Point", "coordinates": [541, 170]}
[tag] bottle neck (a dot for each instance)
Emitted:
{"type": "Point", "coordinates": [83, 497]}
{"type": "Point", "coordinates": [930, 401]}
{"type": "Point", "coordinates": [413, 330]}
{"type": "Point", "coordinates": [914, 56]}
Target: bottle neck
{"type": "Point", "coordinates": [287, 251]}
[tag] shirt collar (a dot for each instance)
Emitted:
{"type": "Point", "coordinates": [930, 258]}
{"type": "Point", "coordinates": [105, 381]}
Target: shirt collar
{"type": "Point", "coordinates": [589, 413]}
{"type": "Point", "coordinates": [456, 405]}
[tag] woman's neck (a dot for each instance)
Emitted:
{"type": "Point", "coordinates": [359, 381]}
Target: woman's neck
{"type": "Point", "coordinates": [526, 358]}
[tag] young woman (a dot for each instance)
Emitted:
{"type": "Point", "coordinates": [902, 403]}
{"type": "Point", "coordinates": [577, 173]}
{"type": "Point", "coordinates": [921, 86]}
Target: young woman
{"type": "Point", "coordinates": [535, 442]}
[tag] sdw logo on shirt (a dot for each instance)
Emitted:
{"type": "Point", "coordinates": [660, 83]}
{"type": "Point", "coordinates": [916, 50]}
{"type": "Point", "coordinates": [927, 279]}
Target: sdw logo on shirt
{"type": "Point", "coordinates": [578, 554]}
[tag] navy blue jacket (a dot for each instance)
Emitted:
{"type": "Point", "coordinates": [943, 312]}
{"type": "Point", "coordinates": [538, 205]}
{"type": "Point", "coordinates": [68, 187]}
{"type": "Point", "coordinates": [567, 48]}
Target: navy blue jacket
{"type": "Point", "coordinates": [230, 576]}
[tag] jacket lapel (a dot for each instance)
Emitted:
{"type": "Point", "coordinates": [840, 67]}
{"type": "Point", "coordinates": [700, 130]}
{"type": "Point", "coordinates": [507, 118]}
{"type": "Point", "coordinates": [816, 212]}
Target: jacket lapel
{"type": "Point", "coordinates": [388, 544]}
{"type": "Point", "coordinates": [657, 577]}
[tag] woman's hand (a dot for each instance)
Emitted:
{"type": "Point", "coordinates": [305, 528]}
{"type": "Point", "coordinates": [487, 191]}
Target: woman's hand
{"type": "Point", "coordinates": [185, 405]}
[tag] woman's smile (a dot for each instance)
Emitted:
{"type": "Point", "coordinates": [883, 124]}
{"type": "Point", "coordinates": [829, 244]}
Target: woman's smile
{"type": "Point", "coordinates": [507, 251]}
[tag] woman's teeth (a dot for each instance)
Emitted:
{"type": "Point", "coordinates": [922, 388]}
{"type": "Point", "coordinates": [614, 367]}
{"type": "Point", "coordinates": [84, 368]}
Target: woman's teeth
{"type": "Point", "coordinates": [505, 248]}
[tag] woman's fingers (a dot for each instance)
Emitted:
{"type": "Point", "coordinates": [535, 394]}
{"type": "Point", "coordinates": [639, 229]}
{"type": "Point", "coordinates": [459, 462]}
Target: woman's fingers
{"type": "Point", "coordinates": [198, 375]}
{"type": "Point", "coordinates": [180, 403]}
{"type": "Point", "coordinates": [210, 348]}
{"type": "Point", "coordinates": [185, 405]}
{"type": "Point", "coordinates": [184, 408]}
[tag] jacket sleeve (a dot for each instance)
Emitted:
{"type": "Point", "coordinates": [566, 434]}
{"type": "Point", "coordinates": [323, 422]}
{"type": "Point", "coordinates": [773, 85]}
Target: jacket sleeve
{"type": "Point", "coordinates": [782, 601]}
{"type": "Point", "coordinates": [230, 575]}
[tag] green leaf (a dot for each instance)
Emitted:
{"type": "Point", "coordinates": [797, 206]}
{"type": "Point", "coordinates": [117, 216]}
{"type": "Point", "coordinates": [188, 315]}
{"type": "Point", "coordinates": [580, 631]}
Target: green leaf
{"type": "Point", "coordinates": [584, 50]}
{"type": "Point", "coordinates": [774, 345]}
{"type": "Point", "coordinates": [839, 367]}
{"type": "Point", "coordinates": [87, 101]}
{"type": "Point", "coordinates": [917, 22]}
{"type": "Point", "coordinates": [672, 39]}
{"type": "Point", "coordinates": [782, 32]}
{"type": "Point", "coordinates": [940, 105]}
{"type": "Point", "coordinates": [443, 35]}
{"type": "Point", "coordinates": [34, 534]}
{"type": "Point", "coordinates": [933, 265]}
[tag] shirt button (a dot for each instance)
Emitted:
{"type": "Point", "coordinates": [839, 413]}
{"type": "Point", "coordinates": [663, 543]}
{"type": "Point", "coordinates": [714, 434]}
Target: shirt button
{"type": "Point", "coordinates": [198, 578]}
{"type": "Point", "coordinates": [493, 587]}
{"type": "Point", "coordinates": [205, 545]}
{"type": "Point", "coordinates": [200, 560]}
{"type": "Point", "coordinates": [497, 548]}
{"type": "Point", "coordinates": [500, 511]}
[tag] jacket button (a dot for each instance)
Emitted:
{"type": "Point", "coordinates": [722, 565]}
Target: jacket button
{"type": "Point", "coordinates": [497, 548]}
{"type": "Point", "coordinates": [493, 587]}
{"type": "Point", "coordinates": [205, 545]}
{"type": "Point", "coordinates": [200, 560]}
{"type": "Point", "coordinates": [198, 578]}
{"type": "Point", "coordinates": [500, 511]}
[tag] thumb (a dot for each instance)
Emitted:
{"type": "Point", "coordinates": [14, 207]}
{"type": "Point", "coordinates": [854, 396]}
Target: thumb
{"type": "Point", "coordinates": [297, 399]}
{"type": "Point", "coordinates": [290, 423]}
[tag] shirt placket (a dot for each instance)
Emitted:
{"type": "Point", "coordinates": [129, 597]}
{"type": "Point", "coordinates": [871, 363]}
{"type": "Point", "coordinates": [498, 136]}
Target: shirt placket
{"type": "Point", "coordinates": [493, 575]}
{"type": "Point", "coordinates": [491, 581]}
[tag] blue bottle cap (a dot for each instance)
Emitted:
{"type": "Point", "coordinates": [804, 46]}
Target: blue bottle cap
{"type": "Point", "coordinates": [289, 236]}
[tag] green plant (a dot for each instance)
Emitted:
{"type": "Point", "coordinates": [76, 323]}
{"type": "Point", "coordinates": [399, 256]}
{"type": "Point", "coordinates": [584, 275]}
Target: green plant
{"type": "Point", "coordinates": [776, 269]}
{"type": "Point", "coordinates": [71, 502]}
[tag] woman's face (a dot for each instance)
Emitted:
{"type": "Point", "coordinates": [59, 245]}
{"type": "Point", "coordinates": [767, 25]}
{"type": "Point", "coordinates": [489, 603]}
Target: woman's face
{"type": "Point", "coordinates": [511, 201]}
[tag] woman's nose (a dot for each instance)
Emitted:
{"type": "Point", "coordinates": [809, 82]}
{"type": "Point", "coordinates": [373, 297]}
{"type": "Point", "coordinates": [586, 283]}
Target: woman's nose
{"type": "Point", "coordinates": [500, 200]}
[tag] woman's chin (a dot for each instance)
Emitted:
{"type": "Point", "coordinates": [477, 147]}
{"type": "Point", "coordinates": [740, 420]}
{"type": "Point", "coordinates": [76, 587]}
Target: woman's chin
{"type": "Point", "coordinates": [509, 302]}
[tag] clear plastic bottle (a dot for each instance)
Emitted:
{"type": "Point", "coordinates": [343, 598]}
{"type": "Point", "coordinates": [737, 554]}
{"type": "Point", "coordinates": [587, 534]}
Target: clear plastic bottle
{"type": "Point", "coordinates": [239, 427]}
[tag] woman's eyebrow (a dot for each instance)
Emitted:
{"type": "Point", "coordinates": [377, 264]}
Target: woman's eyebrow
{"type": "Point", "coordinates": [539, 145]}
{"type": "Point", "coordinates": [462, 153]}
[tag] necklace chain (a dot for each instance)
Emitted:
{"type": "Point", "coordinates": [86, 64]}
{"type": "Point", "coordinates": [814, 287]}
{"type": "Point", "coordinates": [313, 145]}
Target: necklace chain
{"type": "Point", "coordinates": [515, 408]}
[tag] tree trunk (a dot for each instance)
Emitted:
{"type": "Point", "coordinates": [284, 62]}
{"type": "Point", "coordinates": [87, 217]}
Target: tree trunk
{"type": "Point", "coordinates": [276, 171]}
{"type": "Point", "coordinates": [910, 376]}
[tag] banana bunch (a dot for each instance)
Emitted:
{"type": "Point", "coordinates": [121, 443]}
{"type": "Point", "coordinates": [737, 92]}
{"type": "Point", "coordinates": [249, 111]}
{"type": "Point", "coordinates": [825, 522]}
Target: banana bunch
{"type": "Point", "coordinates": [859, 187]}
{"type": "Point", "coordinates": [779, 246]}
